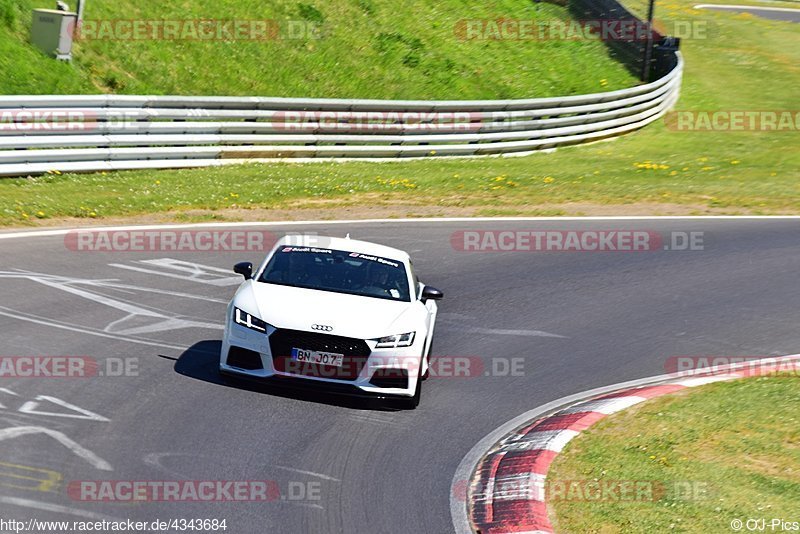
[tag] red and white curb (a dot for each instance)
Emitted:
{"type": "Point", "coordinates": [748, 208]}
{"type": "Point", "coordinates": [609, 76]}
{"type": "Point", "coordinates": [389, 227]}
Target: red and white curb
{"type": "Point", "coordinates": [506, 491]}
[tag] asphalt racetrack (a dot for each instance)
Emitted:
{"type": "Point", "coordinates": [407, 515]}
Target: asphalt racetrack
{"type": "Point", "coordinates": [784, 14]}
{"type": "Point", "coordinates": [570, 321]}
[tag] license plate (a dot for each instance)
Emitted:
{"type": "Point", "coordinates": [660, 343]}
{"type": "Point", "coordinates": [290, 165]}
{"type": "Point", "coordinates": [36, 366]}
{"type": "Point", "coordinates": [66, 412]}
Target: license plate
{"type": "Point", "coordinates": [318, 357]}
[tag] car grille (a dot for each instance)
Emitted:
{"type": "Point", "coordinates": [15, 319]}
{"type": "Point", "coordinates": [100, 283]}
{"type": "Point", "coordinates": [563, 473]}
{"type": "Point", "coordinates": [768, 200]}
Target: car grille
{"type": "Point", "coordinates": [356, 352]}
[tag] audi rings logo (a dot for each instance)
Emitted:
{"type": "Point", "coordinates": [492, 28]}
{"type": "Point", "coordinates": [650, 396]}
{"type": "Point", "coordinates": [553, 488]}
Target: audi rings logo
{"type": "Point", "coordinates": [321, 327]}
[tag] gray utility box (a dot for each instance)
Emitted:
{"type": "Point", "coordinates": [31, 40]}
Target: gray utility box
{"type": "Point", "coordinates": [52, 32]}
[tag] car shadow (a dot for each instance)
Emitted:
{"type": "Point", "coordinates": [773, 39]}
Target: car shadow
{"type": "Point", "coordinates": [201, 362]}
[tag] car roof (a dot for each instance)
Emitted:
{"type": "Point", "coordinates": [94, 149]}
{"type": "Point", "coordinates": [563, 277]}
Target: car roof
{"type": "Point", "coordinates": [343, 243]}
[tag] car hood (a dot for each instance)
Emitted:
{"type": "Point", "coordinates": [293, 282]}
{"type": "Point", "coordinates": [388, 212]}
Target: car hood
{"type": "Point", "coordinates": [349, 315]}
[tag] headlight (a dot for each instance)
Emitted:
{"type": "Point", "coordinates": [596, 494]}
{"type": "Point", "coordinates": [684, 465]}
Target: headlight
{"type": "Point", "coordinates": [398, 340]}
{"type": "Point", "coordinates": [250, 321]}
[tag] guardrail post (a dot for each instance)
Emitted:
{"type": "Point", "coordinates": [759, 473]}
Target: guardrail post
{"type": "Point", "coordinates": [648, 48]}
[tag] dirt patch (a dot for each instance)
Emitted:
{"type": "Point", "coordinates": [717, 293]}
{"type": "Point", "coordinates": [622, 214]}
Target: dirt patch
{"type": "Point", "coordinates": [321, 211]}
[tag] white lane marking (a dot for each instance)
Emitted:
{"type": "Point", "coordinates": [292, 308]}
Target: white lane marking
{"type": "Point", "coordinates": [167, 324]}
{"type": "Point", "coordinates": [548, 440]}
{"type": "Point", "coordinates": [192, 272]}
{"type": "Point", "coordinates": [109, 284]}
{"type": "Point", "coordinates": [57, 508]}
{"type": "Point", "coordinates": [467, 323]}
{"type": "Point", "coordinates": [134, 311]}
{"type": "Point", "coordinates": [604, 406]}
{"type": "Point", "coordinates": [188, 267]}
{"type": "Point", "coordinates": [305, 504]}
{"type": "Point", "coordinates": [30, 407]}
{"type": "Point", "coordinates": [703, 380]}
{"type": "Point", "coordinates": [161, 321]}
{"type": "Point", "coordinates": [423, 220]}
{"type": "Point", "coordinates": [64, 285]}
{"type": "Point", "coordinates": [154, 460]}
{"type": "Point", "coordinates": [126, 288]}
{"type": "Point", "coordinates": [507, 332]}
{"type": "Point", "coordinates": [465, 469]}
{"type": "Point", "coordinates": [374, 418]}
{"type": "Point", "coordinates": [310, 473]}
{"type": "Point", "coordinates": [8, 392]}
{"type": "Point", "coordinates": [77, 449]}
{"type": "Point", "coordinates": [745, 8]}
{"type": "Point", "coordinates": [13, 314]}
{"type": "Point", "coordinates": [228, 281]}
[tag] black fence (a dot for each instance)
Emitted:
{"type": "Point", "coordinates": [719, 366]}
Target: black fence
{"type": "Point", "coordinates": [629, 50]}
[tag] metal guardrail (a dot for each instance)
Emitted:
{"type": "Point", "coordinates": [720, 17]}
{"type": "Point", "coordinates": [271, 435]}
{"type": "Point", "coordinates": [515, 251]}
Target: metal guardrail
{"type": "Point", "coordinates": [87, 133]}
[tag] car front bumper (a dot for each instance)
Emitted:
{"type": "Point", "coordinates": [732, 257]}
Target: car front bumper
{"type": "Point", "coordinates": [246, 353]}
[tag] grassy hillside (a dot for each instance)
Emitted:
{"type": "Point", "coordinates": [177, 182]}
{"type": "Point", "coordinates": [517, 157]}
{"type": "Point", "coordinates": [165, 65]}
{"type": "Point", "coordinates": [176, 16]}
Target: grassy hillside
{"type": "Point", "coordinates": [368, 48]}
{"type": "Point", "coordinates": [749, 64]}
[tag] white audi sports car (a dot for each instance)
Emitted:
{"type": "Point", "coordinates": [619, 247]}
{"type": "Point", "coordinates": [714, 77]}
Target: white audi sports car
{"type": "Point", "coordinates": [341, 314]}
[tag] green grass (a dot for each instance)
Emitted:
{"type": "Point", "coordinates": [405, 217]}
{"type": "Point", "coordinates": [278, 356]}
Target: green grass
{"type": "Point", "coordinates": [736, 444]}
{"type": "Point", "coordinates": [368, 49]}
{"type": "Point", "coordinates": [751, 64]}
{"type": "Point", "coordinates": [570, 181]}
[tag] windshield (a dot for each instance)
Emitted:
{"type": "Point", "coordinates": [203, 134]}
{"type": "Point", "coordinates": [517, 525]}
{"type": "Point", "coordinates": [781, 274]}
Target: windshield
{"type": "Point", "coordinates": [339, 271]}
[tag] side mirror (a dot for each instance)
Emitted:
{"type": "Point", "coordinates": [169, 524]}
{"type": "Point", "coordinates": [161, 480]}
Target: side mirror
{"type": "Point", "coordinates": [431, 293]}
{"type": "Point", "coordinates": [245, 268]}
